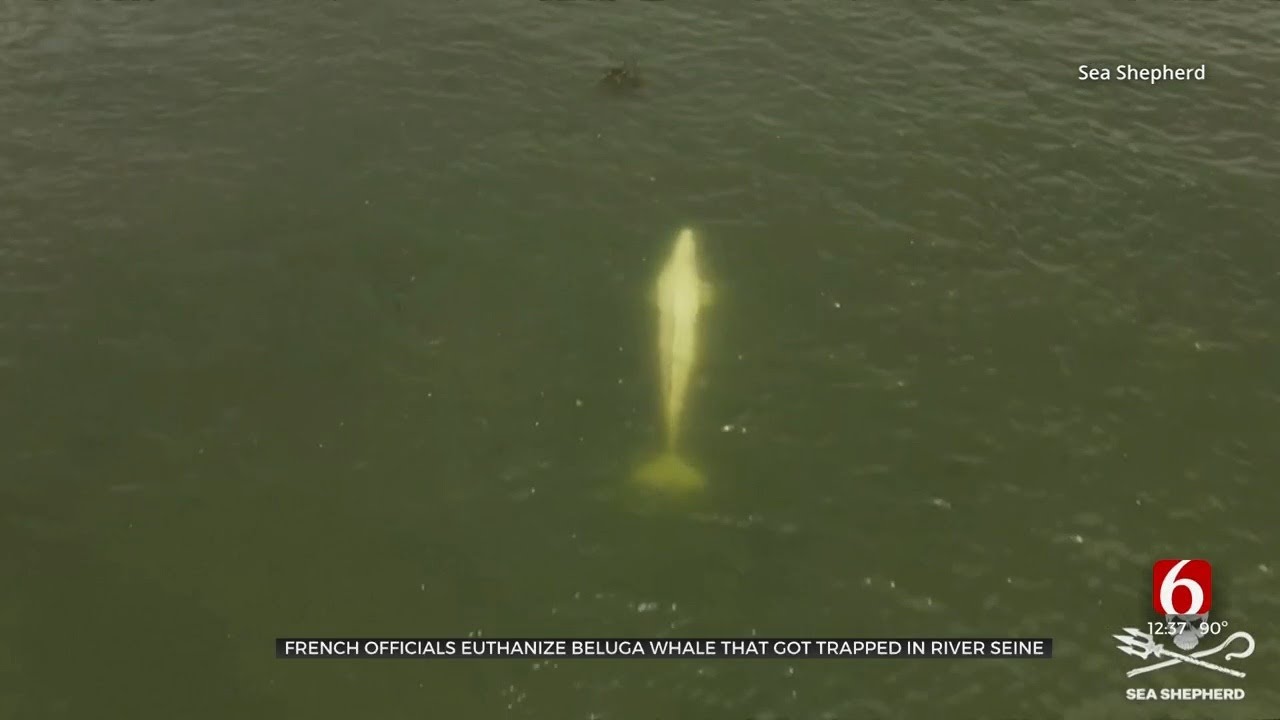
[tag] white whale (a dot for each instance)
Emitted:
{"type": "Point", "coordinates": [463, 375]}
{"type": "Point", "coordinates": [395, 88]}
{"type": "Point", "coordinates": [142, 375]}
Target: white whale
{"type": "Point", "coordinates": [681, 294]}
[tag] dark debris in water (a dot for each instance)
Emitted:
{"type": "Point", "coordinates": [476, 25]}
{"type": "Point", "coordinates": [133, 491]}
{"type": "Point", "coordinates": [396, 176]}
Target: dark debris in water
{"type": "Point", "coordinates": [624, 78]}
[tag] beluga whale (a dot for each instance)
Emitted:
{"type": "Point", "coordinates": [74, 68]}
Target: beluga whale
{"type": "Point", "coordinates": [680, 295]}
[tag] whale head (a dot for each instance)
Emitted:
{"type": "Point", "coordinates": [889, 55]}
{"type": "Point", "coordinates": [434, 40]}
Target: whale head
{"type": "Point", "coordinates": [685, 251]}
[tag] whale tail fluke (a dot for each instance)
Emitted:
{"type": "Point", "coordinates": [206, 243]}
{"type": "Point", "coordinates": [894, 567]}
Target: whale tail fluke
{"type": "Point", "coordinates": [670, 474]}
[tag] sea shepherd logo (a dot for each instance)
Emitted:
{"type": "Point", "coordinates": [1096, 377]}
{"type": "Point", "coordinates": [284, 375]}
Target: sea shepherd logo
{"type": "Point", "coordinates": [1182, 593]}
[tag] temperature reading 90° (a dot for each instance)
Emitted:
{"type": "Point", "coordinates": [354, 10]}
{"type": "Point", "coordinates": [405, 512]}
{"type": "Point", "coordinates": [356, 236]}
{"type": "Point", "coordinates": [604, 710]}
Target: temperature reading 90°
{"type": "Point", "coordinates": [1212, 628]}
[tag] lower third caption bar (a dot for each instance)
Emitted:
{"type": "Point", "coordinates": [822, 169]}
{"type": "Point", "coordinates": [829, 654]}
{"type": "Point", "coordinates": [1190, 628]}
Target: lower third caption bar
{"type": "Point", "coordinates": [718, 648]}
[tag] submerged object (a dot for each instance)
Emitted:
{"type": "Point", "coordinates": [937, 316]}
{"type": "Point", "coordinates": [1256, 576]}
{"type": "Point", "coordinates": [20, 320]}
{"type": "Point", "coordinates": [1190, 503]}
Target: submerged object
{"type": "Point", "coordinates": [622, 78]}
{"type": "Point", "coordinates": [680, 295]}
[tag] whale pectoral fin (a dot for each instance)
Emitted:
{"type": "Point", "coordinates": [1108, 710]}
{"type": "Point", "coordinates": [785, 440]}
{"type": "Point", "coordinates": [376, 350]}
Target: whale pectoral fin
{"type": "Point", "coordinates": [707, 294]}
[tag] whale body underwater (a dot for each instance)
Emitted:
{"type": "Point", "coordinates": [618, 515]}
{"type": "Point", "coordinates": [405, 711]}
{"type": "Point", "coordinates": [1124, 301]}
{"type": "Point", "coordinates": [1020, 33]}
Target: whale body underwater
{"type": "Point", "coordinates": [680, 295]}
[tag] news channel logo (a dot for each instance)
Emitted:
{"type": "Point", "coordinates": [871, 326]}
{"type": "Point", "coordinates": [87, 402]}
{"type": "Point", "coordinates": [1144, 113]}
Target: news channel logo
{"type": "Point", "coordinates": [1182, 594]}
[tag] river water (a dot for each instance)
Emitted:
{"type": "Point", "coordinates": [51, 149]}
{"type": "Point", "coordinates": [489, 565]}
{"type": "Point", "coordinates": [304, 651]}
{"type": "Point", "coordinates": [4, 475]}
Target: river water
{"type": "Point", "coordinates": [330, 319]}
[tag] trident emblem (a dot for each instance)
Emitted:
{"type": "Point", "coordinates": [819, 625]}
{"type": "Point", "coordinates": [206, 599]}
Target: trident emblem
{"type": "Point", "coordinates": [1140, 644]}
